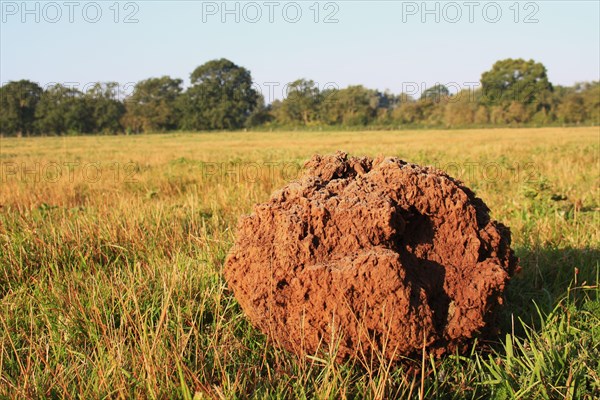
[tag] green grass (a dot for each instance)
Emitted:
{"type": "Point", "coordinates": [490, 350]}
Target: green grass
{"type": "Point", "coordinates": [111, 252]}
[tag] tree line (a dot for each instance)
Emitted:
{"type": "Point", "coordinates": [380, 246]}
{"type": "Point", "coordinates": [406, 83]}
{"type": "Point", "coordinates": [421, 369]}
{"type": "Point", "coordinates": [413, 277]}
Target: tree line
{"type": "Point", "coordinates": [221, 96]}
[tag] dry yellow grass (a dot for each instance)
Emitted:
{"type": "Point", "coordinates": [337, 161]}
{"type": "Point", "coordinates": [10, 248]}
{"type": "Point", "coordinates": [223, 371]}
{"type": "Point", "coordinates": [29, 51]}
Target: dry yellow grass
{"type": "Point", "coordinates": [111, 250]}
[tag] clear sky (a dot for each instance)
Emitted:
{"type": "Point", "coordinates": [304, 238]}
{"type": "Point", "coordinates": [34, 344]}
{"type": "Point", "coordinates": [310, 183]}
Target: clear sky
{"type": "Point", "coordinates": [391, 45]}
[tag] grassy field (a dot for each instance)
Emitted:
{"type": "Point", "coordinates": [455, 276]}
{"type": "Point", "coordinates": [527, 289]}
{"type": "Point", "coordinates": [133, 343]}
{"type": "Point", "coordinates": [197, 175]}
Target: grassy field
{"type": "Point", "coordinates": [111, 252]}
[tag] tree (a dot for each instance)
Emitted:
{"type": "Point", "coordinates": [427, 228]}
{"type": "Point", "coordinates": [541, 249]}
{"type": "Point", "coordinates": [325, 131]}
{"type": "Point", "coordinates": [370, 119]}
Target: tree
{"type": "Point", "coordinates": [520, 81]}
{"type": "Point", "coordinates": [301, 105]}
{"type": "Point", "coordinates": [498, 115]}
{"type": "Point", "coordinates": [105, 108]}
{"type": "Point", "coordinates": [517, 112]}
{"type": "Point", "coordinates": [572, 108]}
{"type": "Point", "coordinates": [18, 100]}
{"type": "Point", "coordinates": [577, 104]}
{"type": "Point", "coordinates": [460, 109]}
{"type": "Point", "coordinates": [63, 110]}
{"type": "Point", "coordinates": [260, 115]}
{"type": "Point", "coordinates": [435, 93]}
{"type": "Point", "coordinates": [481, 116]}
{"type": "Point", "coordinates": [411, 112]}
{"type": "Point", "coordinates": [354, 105]}
{"type": "Point", "coordinates": [221, 97]}
{"type": "Point", "coordinates": [591, 97]}
{"type": "Point", "coordinates": [153, 105]}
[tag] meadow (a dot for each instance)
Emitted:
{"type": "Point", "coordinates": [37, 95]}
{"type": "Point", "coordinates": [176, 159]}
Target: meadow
{"type": "Point", "coordinates": [112, 248]}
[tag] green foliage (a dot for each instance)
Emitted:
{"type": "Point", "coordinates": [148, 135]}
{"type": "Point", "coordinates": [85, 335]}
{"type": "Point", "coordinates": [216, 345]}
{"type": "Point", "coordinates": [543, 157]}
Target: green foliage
{"type": "Point", "coordinates": [580, 103]}
{"type": "Point", "coordinates": [435, 93]}
{"type": "Point", "coordinates": [462, 109]}
{"type": "Point", "coordinates": [559, 360]}
{"type": "Point", "coordinates": [260, 115]}
{"type": "Point", "coordinates": [105, 109]}
{"type": "Point", "coordinates": [18, 101]}
{"type": "Point", "coordinates": [516, 81]}
{"type": "Point", "coordinates": [413, 112]}
{"type": "Point", "coordinates": [353, 106]}
{"type": "Point", "coordinates": [63, 110]}
{"type": "Point", "coordinates": [153, 105]}
{"type": "Point", "coordinates": [301, 105]}
{"type": "Point", "coordinates": [221, 97]}
{"type": "Point", "coordinates": [514, 92]}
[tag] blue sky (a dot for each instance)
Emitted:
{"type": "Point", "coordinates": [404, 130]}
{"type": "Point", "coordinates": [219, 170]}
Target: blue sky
{"type": "Point", "coordinates": [391, 45]}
